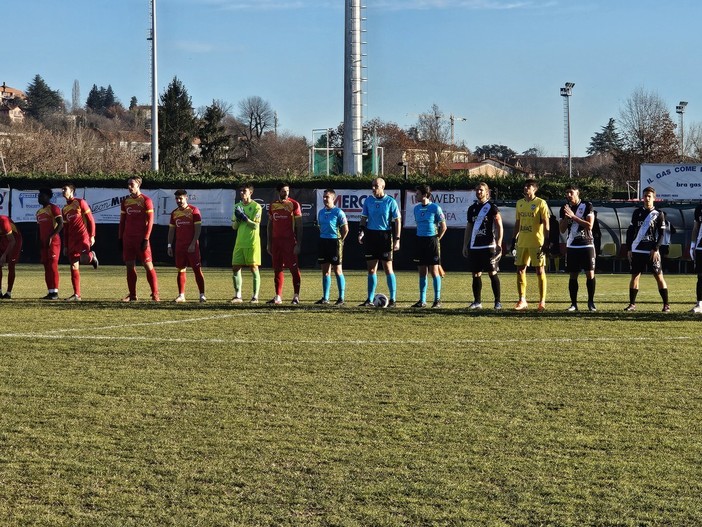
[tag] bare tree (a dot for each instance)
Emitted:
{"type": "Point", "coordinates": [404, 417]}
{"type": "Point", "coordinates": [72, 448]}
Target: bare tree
{"type": "Point", "coordinates": [256, 116]}
{"type": "Point", "coordinates": [433, 136]}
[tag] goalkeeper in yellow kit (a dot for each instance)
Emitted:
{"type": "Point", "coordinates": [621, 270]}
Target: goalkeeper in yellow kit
{"type": "Point", "coordinates": [531, 239]}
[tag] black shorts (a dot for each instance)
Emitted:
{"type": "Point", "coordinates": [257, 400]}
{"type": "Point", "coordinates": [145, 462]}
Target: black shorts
{"type": "Point", "coordinates": [483, 260]}
{"type": "Point", "coordinates": [580, 258]}
{"type": "Point", "coordinates": [378, 245]}
{"type": "Point", "coordinates": [698, 261]}
{"type": "Point", "coordinates": [640, 262]}
{"type": "Point", "coordinates": [427, 251]}
{"type": "Point", "coordinates": [331, 250]}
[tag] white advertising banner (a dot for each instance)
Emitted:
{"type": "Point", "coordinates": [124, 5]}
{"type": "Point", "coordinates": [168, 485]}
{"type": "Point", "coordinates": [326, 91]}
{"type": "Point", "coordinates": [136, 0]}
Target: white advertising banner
{"type": "Point", "coordinates": [4, 201]}
{"type": "Point", "coordinates": [673, 182]}
{"type": "Point", "coordinates": [351, 201]}
{"type": "Point", "coordinates": [105, 202]}
{"type": "Point", "coordinates": [25, 204]}
{"type": "Point", "coordinates": [454, 204]}
{"type": "Point", "coordinates": [216, 205]}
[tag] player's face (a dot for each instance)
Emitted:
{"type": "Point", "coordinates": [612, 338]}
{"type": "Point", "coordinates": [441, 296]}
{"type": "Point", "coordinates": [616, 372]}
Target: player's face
{"type": "Point", "coordinates": [181, 201]}
{"type": "Point", "coordinates": [133, 187]}
{"type": "Point", "coordinates": [529, 192]}
{"type": "Point", "coordinates": [245, 194]}
{"type": "Point", "coordinates": [284, 193]}
{"type": "Point", "coordinates": [328, 200]}
{"type": "Point", "coordinates": [44, 200]}
{"type": "Point", "coordinates": [649, 198]}
{"type": "Point", "coordinates": [481, 193]}
{"type": "Point", "coordinates": [378, 187]}
{"type": "Point", "coordinates": [573, 196]}
{"type": "Point", "coordinates": [67, 192]}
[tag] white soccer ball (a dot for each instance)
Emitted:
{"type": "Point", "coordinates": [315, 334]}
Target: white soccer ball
{"type": "Point", "coordinates": [380, 300]}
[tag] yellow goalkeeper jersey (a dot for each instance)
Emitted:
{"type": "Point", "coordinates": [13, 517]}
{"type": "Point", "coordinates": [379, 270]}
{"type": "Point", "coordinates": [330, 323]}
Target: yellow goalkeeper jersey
{"type": "Point", "coordinates": [530, 215]}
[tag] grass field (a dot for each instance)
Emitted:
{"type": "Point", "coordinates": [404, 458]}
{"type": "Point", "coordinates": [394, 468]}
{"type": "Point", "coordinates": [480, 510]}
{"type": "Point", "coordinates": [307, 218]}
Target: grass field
{"type": "Point", "coordinates": [189, 414]}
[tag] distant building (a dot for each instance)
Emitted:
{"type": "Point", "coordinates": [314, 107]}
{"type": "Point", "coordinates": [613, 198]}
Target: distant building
{"type": "Point", "coordinates": [10, 101]}
{"type": "Point", "coordinates": [488, 168]}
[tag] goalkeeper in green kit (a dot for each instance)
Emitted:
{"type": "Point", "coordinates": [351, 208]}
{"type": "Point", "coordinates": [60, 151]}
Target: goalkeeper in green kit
{"type": "Point", "coordinates": [246, 220]}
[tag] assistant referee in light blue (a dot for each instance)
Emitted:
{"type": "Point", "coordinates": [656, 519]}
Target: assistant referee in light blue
{"type": "Point", "coordinates": [379, 233]}
{"type": "Point", "coordinates": [431, 226]}
{"type": "Point", "coordinates": [333, 229]}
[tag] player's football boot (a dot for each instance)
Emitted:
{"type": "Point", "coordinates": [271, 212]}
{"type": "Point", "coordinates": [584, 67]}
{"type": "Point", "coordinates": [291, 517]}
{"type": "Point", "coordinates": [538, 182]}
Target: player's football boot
{"type": "Point", "coordinates": [51, 296]}
{"type": "Point", "coordinates": [391, 303]}
{"type": "Point", "coordinates": [322, 302]}
{"type": "Point", "coordinates": [541, 307]}
{"type": "Point", "coordinates": [254, 300]}
{"type": "Point", "coordinates": [295, 300]}
{"type": "Point", "coordinates": [630, 307]}
{"type": "Point", "coordinates": [476, 305]}
{"type": "Point", "coordinates": [236, 300]}
{"type": "Point", "coordinates": [129, 298]}
{"type": "Point", "coordinates": [94, 262]}
{"type": "Point", "coordinates": [419, 304]}
{"type": "Point", "coordinates": [498, 306]}
{"type": "Point", "coordinates": [155, 297]}
{"type": "Point", "coordinates": [521, 305]}
{"type": "Point", "coordinates": [666, 308]}
{"type": "Point", "coordinates": [203, 298]}
{"type": "Point", "coordinates": [572, 308]}
{"type": "Point", "coordinates": [697, 308]}
{"type": "Point", "coordinates": [367, 303]}
{"type": "Point", "coordinates": [339, 302]}
{"type": "Point", "coordinates": [179, 298]}
{"type": "Point", "coordinates": [7, 296]}
{"type": "Point", "coordinates": [591, 306]}
{"type": "Point", "coordinates": [73, 298]}
{"type": "Point", "coordinates": [436, 305]}
{"type": "Point", "coordinates": [276, 300]}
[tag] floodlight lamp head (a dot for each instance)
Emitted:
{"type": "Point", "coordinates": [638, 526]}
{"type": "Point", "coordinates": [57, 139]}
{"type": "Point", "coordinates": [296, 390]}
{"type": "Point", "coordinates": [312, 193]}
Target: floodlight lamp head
{"type": "Point", "coordinates": [570, 85]}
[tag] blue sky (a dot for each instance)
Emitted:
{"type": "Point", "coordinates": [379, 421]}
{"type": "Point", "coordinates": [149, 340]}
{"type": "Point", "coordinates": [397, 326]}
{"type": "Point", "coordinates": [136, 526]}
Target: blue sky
{"type": "Point", "coordinates": [498, 63]}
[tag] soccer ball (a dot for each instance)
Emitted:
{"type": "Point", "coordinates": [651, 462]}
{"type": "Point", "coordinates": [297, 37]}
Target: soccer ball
{"type": "Point", "coordinates": [380, 300]}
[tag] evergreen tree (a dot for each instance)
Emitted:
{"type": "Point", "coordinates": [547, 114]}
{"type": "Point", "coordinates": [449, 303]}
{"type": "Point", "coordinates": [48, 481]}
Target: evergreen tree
{"type": "Point", "coordinates": [94, 101]}
{"type": "Point", "coordinates": [133, 103]}
{"type": "Point", "coordinates": [42, 101]}
{"type": "Point", "coordinates": [214, 139]}
{"type": "Point", "coordinates": [607, 141]}
{"type": "Point", "coordinates": [177, 127]}
{"type": "Point", "coordinates": [109, 98]}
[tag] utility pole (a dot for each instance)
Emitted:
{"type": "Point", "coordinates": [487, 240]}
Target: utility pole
{"type": "Point", "coordinates": [154, 90]}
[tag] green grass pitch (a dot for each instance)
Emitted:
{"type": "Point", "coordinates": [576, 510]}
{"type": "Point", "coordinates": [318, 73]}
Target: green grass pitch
{"type": "Point", "coordinates": [213, 414]}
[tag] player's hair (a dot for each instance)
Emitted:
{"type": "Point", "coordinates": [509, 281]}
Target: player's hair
{"type": "Point", "coordinates": [71, 186]}
{"type": "Point", "coordinates": [282, 184]}
{"type": "Point", "coordinates": [46, 192]}
{"type": "Point", "coordinates": [180, 192]}
{"type": "Point", "coordinates": [136, 180]}
{"type": "Point", "coordinates": [424, 189]}
{"type": "Point", "coordinates": [330, 191]}
{"type": "Point", "coordinates": [649, 189]}
{"type": "Point", "coordinates": [531, 183]}
{"type": "Point", "coordinates": [248, 186]}
{"type": "Point", "coordinates": [573, 186]}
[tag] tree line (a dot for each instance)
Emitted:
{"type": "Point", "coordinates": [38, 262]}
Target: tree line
{"type": "Point", "coordinates": [221, 138]}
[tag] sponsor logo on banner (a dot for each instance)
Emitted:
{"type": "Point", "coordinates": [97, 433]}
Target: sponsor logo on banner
{"type": "Point", "coordinates": [107, 204]}
{"type": "Point", "coordinates": [4, 202]}
{"type": "Point", "coordinates": [453, 203]}
{"type": "Point", "coordinates": [672, 182]}
{"type": "Point", "coordinates": [351, 201]}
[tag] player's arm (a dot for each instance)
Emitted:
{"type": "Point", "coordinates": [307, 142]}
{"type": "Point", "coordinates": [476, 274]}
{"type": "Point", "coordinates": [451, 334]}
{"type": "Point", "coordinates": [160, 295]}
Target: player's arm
{"type": "Point", "coordinates": [563, 222]}
{"type": "Point", "coordinates": [466, 237]}
{"type": "Point", "coordinates": [197, 230]}
{"type": "Point", "coordinates": [89, 221]}
{"type": "Point", "coordinates": [441, 229]}
{"type": "Point", "coordinates": [171, 237]}
{"type": "Point", "coordinates": [396, 230]}
{"type": "Point", "coordinates": [298, 233]}
{"type": "Point", "coordinates": [10, 237]}
{"type": "Point", "coordinates": [660, 236]}
{"type": "Point", "coordinates": [515, 233]}
{"type": "Point", "coordinates": [343, 231]}
{"type": "Point", "coordinates": [693, 242]}
{"type": "Point", "coordinates": [269, 232]}
{"type": "Point", "coordinates": [362, 228]}
{"type": "Point", "coordinates": [498, 230]}
{"type": "Point", "coordinates": [547, 231]}
{"type": "Point", "coordinates": [122, 222]}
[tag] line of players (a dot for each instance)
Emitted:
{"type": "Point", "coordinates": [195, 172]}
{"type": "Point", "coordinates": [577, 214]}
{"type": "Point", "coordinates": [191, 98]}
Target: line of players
{"type": "Point", "coordinates": [379, 235]}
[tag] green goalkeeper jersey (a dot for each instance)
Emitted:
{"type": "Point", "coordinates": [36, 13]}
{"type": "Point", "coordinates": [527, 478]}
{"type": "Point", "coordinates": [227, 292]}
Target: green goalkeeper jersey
{"type": "Point", "coordinates": [248, 233]}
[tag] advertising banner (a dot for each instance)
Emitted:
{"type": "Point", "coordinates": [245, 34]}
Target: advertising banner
{"type": "Point", "coordinates": [351, 201]}
{"type": "Point", "coordinates": [25, 204]}
{"type": "Point", "coordinates": [216, 205]}
{"type": "Point", "coordinates": [454, 203]}
{"type": "Point", "coordinates": [105, 202]}
{"type": "Point", "coordinates": [673, 182]}
{"type": "Point", "coordinates": [5, 201]}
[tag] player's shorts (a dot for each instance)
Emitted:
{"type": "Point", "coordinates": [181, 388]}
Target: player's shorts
{"type": "Point", "coordinates": [378, 245]}
{"type": "Point", "coordinates": [13, 257]}
{"type": "Point", "coordinates": [427, 251]}
{"type": "Point", "coordinates": [131, 250]}
{"type": "Point", "coordinates": [581, 258]}
{"type": "Point", "coordinates": [698, 261]}
{"type": "Point", "coordinates": [185, 259]}
{"type": "Point", "coordinates": [530, 256]}
{"type": "Point", "coordinates": [51, 253]}
{"type": "Point", "coordinates": [331, 251]}
{"type": "Point", "coordinates": [640, 262]}
{"type": "Point", "coordinates": [76, 248]}
{"type": "Point", "coordinates": [283, 253]}
{"type": "Point", "coordinates": [246, 256]}
{"type": "Point", "coordinates": [483, 260]}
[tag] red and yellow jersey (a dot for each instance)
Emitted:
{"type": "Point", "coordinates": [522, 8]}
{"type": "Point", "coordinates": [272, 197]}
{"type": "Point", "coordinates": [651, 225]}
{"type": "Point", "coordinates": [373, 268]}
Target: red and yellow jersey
{"type": "Point", "coordinates": [281, 216]}
{"type": "Point", "coordinates": [184, 221]}
{"type": "Point", "coordinates": [136, 217]}
{"type": "Point", "coordinates": [46, 219]}
{"type": "Point", "coordinates": [78, 219]}
{"type": "Point", "coordinates": [7, 227]}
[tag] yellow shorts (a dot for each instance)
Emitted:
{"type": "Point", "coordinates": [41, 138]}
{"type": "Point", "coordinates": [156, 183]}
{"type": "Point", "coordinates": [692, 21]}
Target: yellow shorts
{"type": "Point", "coordinates": [530, 256]}
{"type": "Point", "coordinates": [246, 256]}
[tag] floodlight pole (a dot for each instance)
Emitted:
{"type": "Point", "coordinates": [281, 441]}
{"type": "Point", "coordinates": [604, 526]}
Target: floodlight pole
{"type": "Point", "coordinates": [566, 92]}
{"type": "Point", "coordinates": [154, 90]}
{"type": "Point", "coordinates": [680, 110]}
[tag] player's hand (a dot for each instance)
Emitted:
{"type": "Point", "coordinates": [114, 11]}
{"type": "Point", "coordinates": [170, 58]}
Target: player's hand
{"type": "Point", "coordinates": [655, 255]}
{"type": "Point", "coordinates": [465, 252]}
{"type": "Point", "coordinates": [191, 248]}
{"type": "Point", "coordinates": [396, 246]}
{"type": "Point", "coordinates": [92, 241]}
{"type": "Point", "coordinates": [65, 251]}
{"type": "Point", "coordinates": [170, 251]}
{"type": "Point", "coordinates": [144, 244]}
{"type": "Point", "coordinates": [268, 249]}
{"type": "Point", "coordinates": [360, 237]}
{"type": "Point", "coordinates": [296, 250]}
{"type": "Point", "coordinates": [568, 211]}
{"type": "Point", "coordinates": [240, 215]}
{"type": "Point", "coordinates": [3, 259]}
{"type": "Point", "coordinates": [692, 252]}
{"type": "Point", "coordinates": [628, 255]}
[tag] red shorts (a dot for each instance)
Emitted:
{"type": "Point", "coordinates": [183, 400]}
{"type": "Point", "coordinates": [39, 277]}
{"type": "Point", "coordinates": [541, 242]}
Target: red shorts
{"type": "Point", "coordinates": [76, 248]}
{"type": "Point", "coordinates": [131, 250]}
{"type": "Point", "coordinates": [13, 257]}
{"type": "Point", "coordinates": [283, 254]}
{"type": "Point", "coordinates": [185, 259]}
{"type": "Point", "coordinates": [51, 253]}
